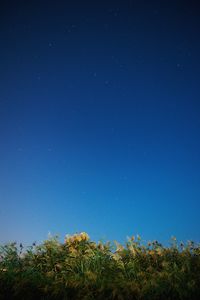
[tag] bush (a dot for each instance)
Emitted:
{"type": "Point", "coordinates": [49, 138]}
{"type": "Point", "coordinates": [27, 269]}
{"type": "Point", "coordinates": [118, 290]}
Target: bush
{"type": "Point", "coordinates": [82, 269]}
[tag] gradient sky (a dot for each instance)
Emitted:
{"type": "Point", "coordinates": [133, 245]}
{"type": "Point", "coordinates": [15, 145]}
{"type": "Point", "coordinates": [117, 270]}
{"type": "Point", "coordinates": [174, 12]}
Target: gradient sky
{"type": "Point", "coordinates": [99, 119]}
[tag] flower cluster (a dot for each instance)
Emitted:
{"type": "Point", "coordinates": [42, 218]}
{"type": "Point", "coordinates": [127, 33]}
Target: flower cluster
{"type": "Point", "coordinates": [77, 238]}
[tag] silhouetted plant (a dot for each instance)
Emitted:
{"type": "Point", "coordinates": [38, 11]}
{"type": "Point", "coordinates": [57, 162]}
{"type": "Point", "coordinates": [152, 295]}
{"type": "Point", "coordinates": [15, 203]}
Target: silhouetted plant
{"type": "Point", "coordinates": [82, 269]}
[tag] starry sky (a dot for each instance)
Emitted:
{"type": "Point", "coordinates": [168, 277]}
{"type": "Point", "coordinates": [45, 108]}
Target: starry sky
{"type": "Point", "coordinates": [99, 119]}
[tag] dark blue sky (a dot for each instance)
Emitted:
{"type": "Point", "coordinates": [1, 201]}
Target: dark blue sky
{"type": "Point", "coordinates": [99, 119]}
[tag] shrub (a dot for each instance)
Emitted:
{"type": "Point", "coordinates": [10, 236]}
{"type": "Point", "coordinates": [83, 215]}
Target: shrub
{"type": "Point", "coordinates": [82, 269]}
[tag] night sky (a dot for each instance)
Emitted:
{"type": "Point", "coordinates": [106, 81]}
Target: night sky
{"type": "Point", "coordinates": [99, 119]}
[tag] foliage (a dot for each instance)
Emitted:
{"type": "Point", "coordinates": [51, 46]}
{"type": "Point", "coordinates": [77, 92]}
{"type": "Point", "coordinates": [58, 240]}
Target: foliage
{"type": "Point", "coordinates": [82, 269]}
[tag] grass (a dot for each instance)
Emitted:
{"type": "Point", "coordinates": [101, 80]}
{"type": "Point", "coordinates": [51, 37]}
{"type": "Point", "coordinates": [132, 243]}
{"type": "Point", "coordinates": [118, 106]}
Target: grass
{"type": "Point", "coordinates": [82, 269]}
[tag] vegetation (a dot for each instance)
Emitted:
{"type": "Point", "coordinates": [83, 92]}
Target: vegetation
{"type": "Point", "coordinates": [82, 269]}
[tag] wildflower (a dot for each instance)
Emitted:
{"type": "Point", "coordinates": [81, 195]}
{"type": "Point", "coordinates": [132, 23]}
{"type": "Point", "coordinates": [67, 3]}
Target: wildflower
{"type": "Point", "coordinates": [73, 251]}
{"type": "Point", "coordinates": [69, 239]}
{"type": "Point", "coordinates": [119, 247]}
{"type": "Point", "coordinates": [72, 239]}
{"type": "Point", "coordinates": [77, 238]}
{"type": "Point", "coordinates": [84, 236]}
{"type": "Point", "coordinates": [159, 251]}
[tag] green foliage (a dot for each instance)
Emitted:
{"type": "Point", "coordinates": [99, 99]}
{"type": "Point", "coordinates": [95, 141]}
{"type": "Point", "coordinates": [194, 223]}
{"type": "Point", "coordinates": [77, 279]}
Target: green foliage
{"type": "Point", "coordinates": [82, 269]}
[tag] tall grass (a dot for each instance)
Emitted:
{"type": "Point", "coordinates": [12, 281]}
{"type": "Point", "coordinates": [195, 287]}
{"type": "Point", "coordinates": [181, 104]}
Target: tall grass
{"type": "Point", "coordinates": [82, 269]}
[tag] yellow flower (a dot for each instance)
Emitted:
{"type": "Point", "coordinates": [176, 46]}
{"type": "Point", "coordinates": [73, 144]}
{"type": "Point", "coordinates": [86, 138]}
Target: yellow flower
{"type": "Point", "coordinates": [73, 251]}
{"type": "Point", "coordinates": [78, 238]}
{"type": "Point", "coordinates": [84, 236]}
{"type": "Point", "coordinates": [69, 239]}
